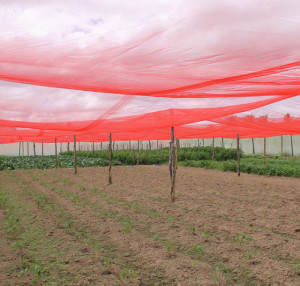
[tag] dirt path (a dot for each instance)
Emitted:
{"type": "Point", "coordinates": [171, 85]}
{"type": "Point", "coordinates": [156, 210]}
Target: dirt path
{"type": "Point", "coordinates": [222, 230]}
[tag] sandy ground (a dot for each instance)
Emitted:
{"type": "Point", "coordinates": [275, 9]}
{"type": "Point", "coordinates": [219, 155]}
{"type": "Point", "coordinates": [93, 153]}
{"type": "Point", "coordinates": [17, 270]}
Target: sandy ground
{"type": "Point", "coordinates": [222, 229]}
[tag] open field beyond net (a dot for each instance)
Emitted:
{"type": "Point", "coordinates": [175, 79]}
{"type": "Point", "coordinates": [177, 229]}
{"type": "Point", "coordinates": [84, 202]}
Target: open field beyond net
{"type": "Point", "coordinates": [64, 229]}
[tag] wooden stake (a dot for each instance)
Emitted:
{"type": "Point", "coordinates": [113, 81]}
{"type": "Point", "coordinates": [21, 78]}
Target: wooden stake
{"type": "Point", "coordinates": [222, 142]}
{"type": "Point", "coordinates": [93, 147]}
{"type": "Point", "coordinates": [34, 149]}
{"type": "Point", "coordinates": [149, 145]}
{"type": "Point", "coordinates": [110, 161]}
{"type": "Point", "coordinates": [60, 147]}
{"type": "Point", "coordinates": [265, 150]}
{"type": "Point", "coordinates": [238, 154]}
{"type": "Point", "coordinates": [68, 146]}
{"type": "Point", "coordinates": [156, 144]}
{"type": "Point", "coordinates": [138, 153]}
{"type": "Point", "coordinates": [42, 148]}
{"type": "Point", "coordinates": [172, 165]}
{"type": "Point", "coordinates": [75, 158]}
{"type": "Point", "coordinates": [281, 146]}
{"type": "Point", "coordinates": [55, 153]}
{"type": "Point", "coordinates": [253, 150]}
{"type": "Point", "coordinates": [22, 148]}
{"type": "Point", "coordinates": [198, 142]}
{"type": "Point", "coordinates": [19, 148]}
{"type": "Point", "coordinates": [27, 149]}
{"type": "Point", "coordinates": [203, 142]}
{"type": "Point", "coordinates": [213, 148]}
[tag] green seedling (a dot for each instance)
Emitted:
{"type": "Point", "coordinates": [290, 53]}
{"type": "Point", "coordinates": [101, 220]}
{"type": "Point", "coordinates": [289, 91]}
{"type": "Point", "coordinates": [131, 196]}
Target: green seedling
{"type": "Point", "coordinates": [170, 245]}
{"type": "Point", "coordinates": [136, 206]}
{"type": "Point", "coordinates": [94, 190]}
{"type": "Point", "coordinates": [241, 237]}
{"type": "Point", "coordinates": [296, 268]}
{"type": "Point", "coordinates": [171, 219]}
{"type": "Point", "coordinates": [107, 262]}
{"type": "Point", "coordinates": [82, 188]}
{"type": "Point", "coordinates": [205, 234]}
{"type": "Point", "coordinates": [153, 214]}
{"type": "Point", "coordinates": [198, 250]}
{"type": "Point", "coordinates": [128, 273]}
{"type": "Point", "coordinates": [249, 255]}
{"type": "Point", "coordinates": [156, 236]}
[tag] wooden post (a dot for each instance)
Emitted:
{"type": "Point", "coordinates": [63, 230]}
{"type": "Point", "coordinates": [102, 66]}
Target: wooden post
{"type": "Point", "coordinates": [177, 146]}
{"type": "Point", "coordinates": [138, 153]}
{"type": "Point", "coordinates": [265, 150]}
{"type": "Point", "coordinates": [156, 144]}
{"type": "Point", "coordinates": [198, 142]}
{"type": "Point", "coordinates": [19, 148]}
{"type": "Point", "coordinates": [55, 153]}
{"type": "Point", "coordinates": [213, 148]}
{"type": "Point", "coordinates": [68, 146]}
{"type": "Point", "coordinates": [34, 149]}
{"type": "Point", "coordinates": [110, 161]}
{"type": "Point", "coordinates": [60, 149]}
{"type": "Point", "coordinates": [93, 147]}
{"type": "Point", "coordinates": [222, 142]}
{"type": "Point", "coordinates": [292, 147]}
{"type": "Point", "coordinates": [42, 148]}
{"type": "Point", "coordinates": [253, 149]}
{"type": "Point", "coordinates": [149, 145]}
{"type": "Point", "coordinates": [129, 144]}
{"type": "Point", "coordinates": [238, 154]}
{"type": "Point", "coordinates": [27, 148]}
{"type": "Point", "coordinates": [172, 165]}
{"type": "Point", "coordinates": [22, 148]}
{"type": "Point", "coordinates": [281, 146]}
{"type": "Point", "coordinates": [203, 142]}
{"type": "Point", "coordinates": [75, 158]}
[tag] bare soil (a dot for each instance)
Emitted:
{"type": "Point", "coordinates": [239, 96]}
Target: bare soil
{"type": "Point", "coordinates": [78, 230]}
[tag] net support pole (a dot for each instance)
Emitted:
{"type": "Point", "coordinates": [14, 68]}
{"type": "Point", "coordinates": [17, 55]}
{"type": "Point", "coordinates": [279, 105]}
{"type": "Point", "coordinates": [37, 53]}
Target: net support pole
{"type": "Point", "coordinates": [19, 148]}
{"type": "Point", "coordinates": [238, 154]}
{"type": "Point", "coordinates": [172, 165]}
{"type": "Point", "coordinates": [292, 147]}
{"type": "Point", "coordinates": [265, 150]}
{"type": "Point", "coordinates": [55, 141]}
{"type": "Point", "coordinates": [42, 148]}
{"type": "Point", "coordinates": [213, 148]}
{"type": "Point", "coordinates": [27, 148]}
{"type": "Point", "coordinates": [110, 161]}
{"type": "Point", "coordinates": [198, 142]}
{"type": "Point", "coordinates": [149, 145]}
{"type": "Point", "coordinates": [23, 149]}
{"type": "Point", "coordinates": [156, 144]}
{"type": "Point", "coordinates": [222, 142]}
{"type": "Point", "coordinates": [68, 146]}
{"type": "Point", "coordinates": [281, 146]}
{"type": "Point", "coordinates": [34, 149]}
{"type": "Point", "coordinates": [138, 153]}
{"type": "Point", "coordinates": [93, 147]}
{"type": "Point", "coordinates": [253, 149]}
{"type": "Point", "coordinates": [75, 158]}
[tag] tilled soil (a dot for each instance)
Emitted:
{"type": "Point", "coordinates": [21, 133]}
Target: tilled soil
{"type": "Point", "coordinates": [78, 230]}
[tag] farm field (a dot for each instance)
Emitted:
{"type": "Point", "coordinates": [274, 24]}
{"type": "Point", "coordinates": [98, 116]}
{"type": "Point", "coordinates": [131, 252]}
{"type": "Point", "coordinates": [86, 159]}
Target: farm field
{"type": "Point", "coordinates": [58, 228]}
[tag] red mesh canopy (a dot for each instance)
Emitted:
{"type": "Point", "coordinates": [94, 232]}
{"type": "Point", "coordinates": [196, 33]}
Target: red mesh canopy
{"type": "Point", "coordinates": [136, 68]}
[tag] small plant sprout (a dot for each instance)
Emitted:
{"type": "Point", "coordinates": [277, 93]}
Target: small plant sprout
{"type": "Point", "coordinates": [205, 234]}
{"type": "Point", "coordinates": [156, 236]}
{"type": "Point", "coordinates": [241, 237]}
{"type": "Point", "coordinates": [171, 219]}
{"type": "Point", "coordinates": [249, 255]}
{"type": "Point", "coordinates": [199, 250]}
{"type": "Point", "coordinates": [128, 273]}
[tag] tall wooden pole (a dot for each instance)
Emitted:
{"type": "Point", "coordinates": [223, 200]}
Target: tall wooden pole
{"type": "Point", "coordinates": [222, 142]}
{"type": "Point", "coordinates": [110, 160]}
{"type": "Point", "coordinates": [60, 147]}
{"type": "Point", "coordinates": [265, 150]}
{"type": "Point", "coordinates": [27, 148]}
{"type": "Point", "coordinates": [292, 147]}
{"type": "Point", "coordinates": [203, 142]}
{"type": "Point", "coordinates": [19, 148]}
{"type": "Point", "coordinates": [68, 146]}
{"type": "Point", "coordinates": [138, 153]}
{"type": "Point", "coordinates": [42, 148]}
{"type": "Point", "coordinates": [172, 165]}
{"type": "Point", "coordinates": [156, 144]}
{"type": "Point", "coordinates": [34, 149]}
{"type": "Point", "coordinates": [238, 154]}
{"type": "Point", "coordinates": [75, 159]}
{"type": "Point", "coordinates": [93, 147]}
{"type": "Point", "coordinates": [281, 146]}
{"type": "Point", "coordinates": [198, 142]}
{"type": "Point", "coordinates": [55, 141]}
{"type": "Point", "coordinates": [22, 148]}
{"type": "Point", "coordinates": [253, 149]}
{"type": "Point", "coordinates": [213, 148]}
{"type": "Point", "coordinates": [149, 145]}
